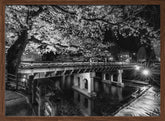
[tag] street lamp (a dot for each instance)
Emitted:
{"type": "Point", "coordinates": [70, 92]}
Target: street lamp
{"type": "Point", "coordinates": [23, 80]}
{"type": "Point", "coordinates": [146, 72]}
{"type": "Point", "coordinates": [137, 67]}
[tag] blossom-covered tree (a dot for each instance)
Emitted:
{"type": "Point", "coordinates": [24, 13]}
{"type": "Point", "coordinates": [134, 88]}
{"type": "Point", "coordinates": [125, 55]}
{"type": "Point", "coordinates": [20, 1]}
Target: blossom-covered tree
{"type": "Point", "coordinates": [70, 29]}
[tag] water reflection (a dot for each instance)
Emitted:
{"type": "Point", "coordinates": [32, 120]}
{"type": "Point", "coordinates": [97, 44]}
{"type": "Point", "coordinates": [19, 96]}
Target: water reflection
{"type": "Point", "coordinates": [116, 93]}
{"type": "Point", "coordinates": [108, 99]}
{"type": "Point", "coordinates": [84, 103]}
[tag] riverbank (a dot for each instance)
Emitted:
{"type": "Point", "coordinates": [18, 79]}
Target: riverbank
{"type": "Point", "coordinates": [16, 104]}
{"type": "Point", "coordinates": [146, 105]}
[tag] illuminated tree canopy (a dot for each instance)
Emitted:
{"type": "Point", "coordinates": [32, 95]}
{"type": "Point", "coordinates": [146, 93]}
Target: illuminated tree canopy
{"type": "Point", "coordinates": [63, 29]}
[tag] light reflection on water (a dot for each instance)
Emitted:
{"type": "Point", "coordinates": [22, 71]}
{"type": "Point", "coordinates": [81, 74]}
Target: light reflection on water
{"type": "Point", "coordinates": [109, 98]}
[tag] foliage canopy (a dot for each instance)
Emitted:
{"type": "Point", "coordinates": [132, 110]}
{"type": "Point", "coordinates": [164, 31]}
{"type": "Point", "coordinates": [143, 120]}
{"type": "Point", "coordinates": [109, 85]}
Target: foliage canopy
{"type": "Point", "coordinates": [77, 28]}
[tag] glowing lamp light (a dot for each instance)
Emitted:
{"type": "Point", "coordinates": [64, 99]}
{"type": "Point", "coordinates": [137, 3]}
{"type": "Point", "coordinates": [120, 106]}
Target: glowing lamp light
{"type": "Point", "coordinates": [146, 72]}
{"type": "Point", "coordinates": [23, 80]}
{"type": "Point", "coordinates": [137, 67]}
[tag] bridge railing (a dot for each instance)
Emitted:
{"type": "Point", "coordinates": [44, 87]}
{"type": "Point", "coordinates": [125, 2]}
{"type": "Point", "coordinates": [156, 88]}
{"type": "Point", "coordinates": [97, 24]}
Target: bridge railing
{"type": "Point", "coordinates": [14, 82]}
{"type": "Point", "coordinates": [11, 80]}
{"type": "Point", "coordinates": [28, 64]}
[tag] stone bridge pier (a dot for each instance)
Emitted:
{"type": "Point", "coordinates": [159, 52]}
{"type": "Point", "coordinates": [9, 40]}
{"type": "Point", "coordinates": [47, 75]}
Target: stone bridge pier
{"type": "Point", "coordinates": [84, 83]}
{"type": "Point", "coordinates": [109, 78]}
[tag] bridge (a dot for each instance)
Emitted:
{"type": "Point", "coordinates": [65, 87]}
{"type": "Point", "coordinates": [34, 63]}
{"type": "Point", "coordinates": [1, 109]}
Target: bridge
{"type": "Point", "coordinates": [33, 76]}
{"type": "Point", "coordinates": [39, 67]}
{"type": "Point", "coordinates": [80, 70]}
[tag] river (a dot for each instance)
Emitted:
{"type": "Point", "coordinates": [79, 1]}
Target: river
{"type": "Point", "coordinates": [110, 100]}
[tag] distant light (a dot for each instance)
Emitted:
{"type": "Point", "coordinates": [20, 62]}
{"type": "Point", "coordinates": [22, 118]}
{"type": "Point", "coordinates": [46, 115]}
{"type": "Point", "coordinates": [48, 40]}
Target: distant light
{"type": "Point", "coordinates": [127, 60]}
{"type": "Point", "coordinates": [146, 72]}
{"type": "Point", "coordinates": [111, 58]}
{"type": "Point", "coordinates": [23, 80]}
{"type": "Point", "coordinates": [137, 67]}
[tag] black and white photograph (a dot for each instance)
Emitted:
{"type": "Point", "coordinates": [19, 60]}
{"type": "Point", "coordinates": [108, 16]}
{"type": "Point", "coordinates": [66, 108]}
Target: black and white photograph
{"type": "Point", "coordinates": [82, 60]}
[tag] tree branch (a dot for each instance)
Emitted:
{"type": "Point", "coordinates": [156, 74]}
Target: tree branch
{"type": "Point", "coordinates": [65, 11]}
{"type": "Point", "coordinates": [36, 13]}
{"type": "Point", "coordinates": [87, 19]}
{"type": "Point", "coordinates": [33, 39]}
{"type": "Point", "coordinates": [98, 19]}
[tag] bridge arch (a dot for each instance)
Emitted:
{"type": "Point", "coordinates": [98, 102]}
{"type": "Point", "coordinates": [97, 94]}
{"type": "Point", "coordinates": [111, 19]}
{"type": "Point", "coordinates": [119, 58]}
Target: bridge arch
{"type": "Point", "coordinates": [78, 79]}
{"type": "Point", "coordinates": [85, 81]}
{"type": "Point", "coordinates": [107, 76]}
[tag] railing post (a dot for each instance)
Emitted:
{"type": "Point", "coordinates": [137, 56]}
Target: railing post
{"type": "Point", "coordinates": [34, 85]}
{"type": "Point", "coordinates": [39, 101]}
{"type": "Point", "coordinates": [30, 88]}
{"type": "Point", "coordinates": [16, 82]}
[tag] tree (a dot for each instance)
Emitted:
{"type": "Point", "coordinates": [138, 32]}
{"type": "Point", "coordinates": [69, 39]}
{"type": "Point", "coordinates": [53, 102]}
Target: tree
{"type": "Point", "coordinates": [64, 29]}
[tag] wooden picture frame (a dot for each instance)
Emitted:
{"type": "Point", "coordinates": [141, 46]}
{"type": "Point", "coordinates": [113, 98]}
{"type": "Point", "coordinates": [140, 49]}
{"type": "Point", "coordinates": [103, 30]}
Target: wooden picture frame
{"type": "Point", "coordinates": [74, 2]}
